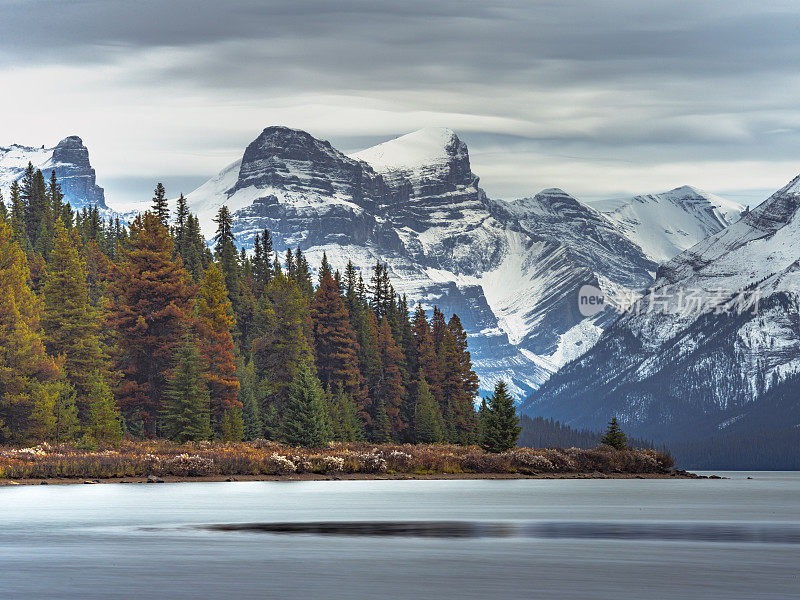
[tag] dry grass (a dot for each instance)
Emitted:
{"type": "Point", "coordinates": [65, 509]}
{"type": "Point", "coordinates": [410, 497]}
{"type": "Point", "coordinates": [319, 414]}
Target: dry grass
{"type": "Point", "coordinates": [261, 457]}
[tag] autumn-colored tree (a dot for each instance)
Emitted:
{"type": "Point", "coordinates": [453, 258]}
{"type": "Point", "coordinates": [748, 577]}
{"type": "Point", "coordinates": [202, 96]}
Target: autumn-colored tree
{"type": "Point", "coordinates": [71, 324]}
{"type": "Point", "coordinates": [426, 358]}
{"type": "Point", "coordinates": [391, 390]}
{"type": "Point", "coordinates": [214, 322]}
{"type": "Point", "coordinates": [25, 367]}
{"type": "Point", "coordinates": [152, 302]}
{"type": "Point", "coordinates": [459, 383]}
{"type": "Point", "coordinates": [335, 346]}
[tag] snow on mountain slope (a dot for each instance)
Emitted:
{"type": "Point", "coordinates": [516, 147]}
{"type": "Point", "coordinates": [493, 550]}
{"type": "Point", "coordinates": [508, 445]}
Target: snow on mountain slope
{"type": "Point", "coordinates": [69, 159]}
{"type": "Point", "coordinates": [666, 224]}
{"type": "Point", "coordinates": [510, 270]}
{"type": "Point", "coordinates": [719, 329]}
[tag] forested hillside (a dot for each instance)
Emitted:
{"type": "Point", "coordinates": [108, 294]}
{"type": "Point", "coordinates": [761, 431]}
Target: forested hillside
{"type": "Point", "coordinates": [109, 330]}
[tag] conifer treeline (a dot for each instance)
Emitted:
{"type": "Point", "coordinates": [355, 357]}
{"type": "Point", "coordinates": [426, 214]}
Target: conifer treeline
{"type": "Point", "coordinates": [107, 329]}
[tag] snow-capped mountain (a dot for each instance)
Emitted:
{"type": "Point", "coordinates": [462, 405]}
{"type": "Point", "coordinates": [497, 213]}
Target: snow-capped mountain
{"type": "Point", "coordinates": [70, 160]}
{"type": "Point", "coordinates": [664, 225]}
{"type": "Point", "coordinates": [708, 348]}
{"type": "Point", "coordinates": [511, 270]}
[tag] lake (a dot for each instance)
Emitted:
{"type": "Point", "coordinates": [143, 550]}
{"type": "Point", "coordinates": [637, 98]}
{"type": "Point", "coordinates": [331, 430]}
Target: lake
{"type": "Point", "coordinates": [549, 539]}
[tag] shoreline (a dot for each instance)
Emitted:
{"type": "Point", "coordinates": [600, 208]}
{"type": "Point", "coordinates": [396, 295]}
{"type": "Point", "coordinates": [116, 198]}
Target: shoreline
{"type": "Point", "coordinates": [298, 477]}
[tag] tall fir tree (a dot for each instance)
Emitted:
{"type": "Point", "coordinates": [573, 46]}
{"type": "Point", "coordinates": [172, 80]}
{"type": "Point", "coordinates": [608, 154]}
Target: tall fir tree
{"type": "Point", "coordinates": [152, 299]}
{"type": "Point", "coordinates": [428, 419]}
{"type": "Point", "coordinates": [283, 333]}
{"type": "Point", "coordinates": [501, 424]}
{"type": "Point", "coordinates": [103, 421]}
{"type": "Point", "coordinates": [26, 370]}
{"type": "Point", "coordinates": [226, 254]}
{"type": "Point", "coordinates": [160, 206]}
{"type": "Point", "coordinates": [185, 411]}
{"type": "Point", "coordinates": [335, 345]}
{"type": "Point", "coordinates": [72, 325]}
{"type": "Point", "coordinates": [305, 419]}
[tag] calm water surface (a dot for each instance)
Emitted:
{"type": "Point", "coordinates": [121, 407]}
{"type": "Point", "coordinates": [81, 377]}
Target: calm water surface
{"type": "Point", "coordinates": [549, 539]}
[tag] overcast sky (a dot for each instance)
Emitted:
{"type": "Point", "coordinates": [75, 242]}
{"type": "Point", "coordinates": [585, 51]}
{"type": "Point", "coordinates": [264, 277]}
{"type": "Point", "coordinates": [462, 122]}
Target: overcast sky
{"type": "Point", "coordinates": [600, 98]}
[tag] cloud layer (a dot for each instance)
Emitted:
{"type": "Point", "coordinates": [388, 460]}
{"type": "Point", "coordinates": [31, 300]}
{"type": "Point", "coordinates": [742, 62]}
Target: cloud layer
{"type": "Point", "coordinates": [600, 98]}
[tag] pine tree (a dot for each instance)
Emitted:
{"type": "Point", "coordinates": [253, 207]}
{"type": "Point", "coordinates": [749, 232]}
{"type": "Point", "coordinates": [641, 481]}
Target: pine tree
{"type": "Point", "coordinates": [283, 330]}
{"type": "Point", "coordinates": [345, 423]}
{"type": "Point", "coordinates": [335, 345]}
{"type": "Point", "coordinates": [18, 218]}
{"type": "Point", "coordinates": [459, 382]}
{"type": "Point", "coordinates": [185, 412]}
{"type": "Point", "coordinates": [181, 222]}
{"type": "Point", "coordinates": [226, 255]}
{"type": "Point", "coordinates": [305, 420]}
{"type": "Point", "coordinates": [214, 323]}
{"type": "Point", "coordinates": [232, 427]}
{"type": "Point", "coordinates": [56, 196]}
{"type": "Point", "coordinates": [428, 419]}
{"type": "Point", "coordinates": [160, 205]}
{"type": "Point", "coordinates": [152, 303]}
{"type": "Point", "coordinates": [303, 274]}
{"type": "Point", "coordinates": [104, 421]}
{"type": "Point", "coordinates": [26, 370]}
{"type": "Point", "coordinates": [54, 412]}
{"type": "Point", "coordinates": [426, 358]}
{"type": "Point", "coordinates": [614, 436]}
{"type": "Point", "coordinates": [72, 325]}
{"type": "Point", "coordinates": [501, 425]}
{"type": "Point", "coordinates": [251, 415]}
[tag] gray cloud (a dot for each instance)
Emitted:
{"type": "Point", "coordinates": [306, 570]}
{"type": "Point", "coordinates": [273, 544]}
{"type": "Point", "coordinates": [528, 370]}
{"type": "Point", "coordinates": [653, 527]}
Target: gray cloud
{"type": "Point", "coordinates": [630, 84]}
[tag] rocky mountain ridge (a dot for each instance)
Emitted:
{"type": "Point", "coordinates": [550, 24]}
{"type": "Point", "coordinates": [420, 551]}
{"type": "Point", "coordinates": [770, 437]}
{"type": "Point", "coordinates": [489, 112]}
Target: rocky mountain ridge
{"type": "Point", "coordinates": [511, 270]}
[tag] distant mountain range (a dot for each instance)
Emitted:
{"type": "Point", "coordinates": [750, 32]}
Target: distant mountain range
{"type": "Point", "coordinates": [711, 351]}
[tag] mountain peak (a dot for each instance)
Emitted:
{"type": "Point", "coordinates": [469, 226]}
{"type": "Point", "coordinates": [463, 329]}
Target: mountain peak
{"type": "Point", "coordinates": [409, 152]}
{"type": "Point", "coordinates": [72, 141]}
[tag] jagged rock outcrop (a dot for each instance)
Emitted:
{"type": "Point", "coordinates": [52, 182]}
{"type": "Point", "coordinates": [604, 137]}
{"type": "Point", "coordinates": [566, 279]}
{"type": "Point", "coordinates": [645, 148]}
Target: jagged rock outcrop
{"type": "Point", "coordinates": [69, 159]}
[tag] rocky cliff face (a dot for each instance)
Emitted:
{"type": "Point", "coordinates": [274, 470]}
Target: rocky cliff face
{"type": "Point", "coordinates": [70, 160]}
{"type": "Point", "coordinates": [697, 355]}
{"type": "Point", "coordinates": [510, 270]}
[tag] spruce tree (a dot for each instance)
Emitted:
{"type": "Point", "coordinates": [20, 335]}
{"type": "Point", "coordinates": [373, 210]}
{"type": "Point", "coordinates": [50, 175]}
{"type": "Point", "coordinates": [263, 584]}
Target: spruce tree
{"type": "Point", "coordinates": [104, 421]}
{"type": "Point", "coordinates": [160, 205]}
{"type": "Point", "coordinates": [185, 412]}
{"type": "Point", "coordinates": [614, 436]}
{"type": "Point", "coordinates": [283, 342]}
{"type": "Point", "coordinates": [501, 426]}
{"type": "Point", "coordinates": [305, 421]}
{"type": "Point", "coordinates": [55, 413]}
{"type": "Point", "coordinates": [25, 367]}
{"type": "Point", "coordinates": [346, 426]}
{"type": "Point", "coordinates": [428, 419]}
{"type": "Point", "coordinates": [72, 325]}
{"type": "Point", "coordinates": [251, 415]}
{"type": "Point", "coordinates": [232, 428]}
{"type": "Point", "coordinates": [226, 254]}
{"type": "Point", "coordinates": [335, 344]}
